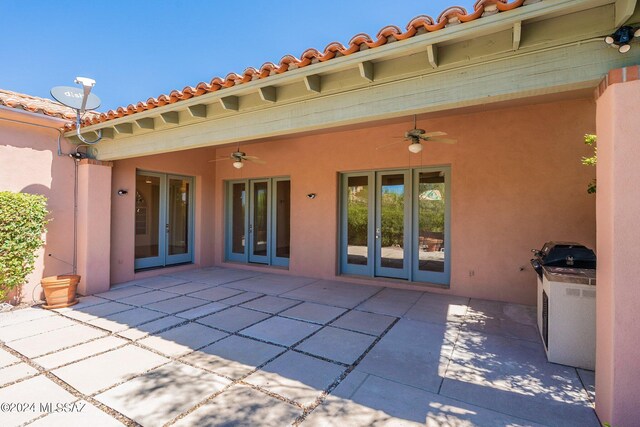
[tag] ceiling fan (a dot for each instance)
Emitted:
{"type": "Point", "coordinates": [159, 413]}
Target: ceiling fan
{"type": "Point", "coordinates": [416, 135]}
{"type": "Point", "coordinates": [239, 157]}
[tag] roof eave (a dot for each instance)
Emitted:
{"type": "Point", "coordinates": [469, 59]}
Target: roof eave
{"type": "Point", "coordinates": [479, 27]}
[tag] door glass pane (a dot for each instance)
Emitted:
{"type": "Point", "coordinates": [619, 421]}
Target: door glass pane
{"type": "Point", "coordinates": [147, 216]}
{"type": "Point", "coordinates": [260, 218]}
{"type": "Point", "coordinates": [392, 221]}
{"type": "Point", "coordinates": [357, 219]}
{"type": "Point", "coordinates": [178, 236]}
{"type": "Point", "coordinates": [238, 206]}
{"type": "Point", "coordinates": [431, 207]}
{"type": "Point", "coordinates": [283, 218]}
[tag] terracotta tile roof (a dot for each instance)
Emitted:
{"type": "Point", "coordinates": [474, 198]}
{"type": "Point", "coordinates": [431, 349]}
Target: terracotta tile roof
{"type": "Point", "coordinates": [35, 104]}
{"type": "Point", "coordinates": [418, 25]}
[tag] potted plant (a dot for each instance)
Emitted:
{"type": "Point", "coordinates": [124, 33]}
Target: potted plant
{"type": "Point", "coordinates": [60, 291]}
{"type": "Point", "coordinates": [23, 218]}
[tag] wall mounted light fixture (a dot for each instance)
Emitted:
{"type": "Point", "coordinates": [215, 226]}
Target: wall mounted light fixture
{"type": "Point", "coordinates": [622, 38]}
{"type": "Point", "coordinates": [122, 192]}
{"type": "Point", "coordinates": [311, 195]}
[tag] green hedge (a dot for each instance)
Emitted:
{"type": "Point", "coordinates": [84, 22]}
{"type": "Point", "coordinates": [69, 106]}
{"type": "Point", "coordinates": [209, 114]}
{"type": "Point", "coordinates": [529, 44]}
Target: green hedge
{"type": "Point", "coordinates": [23, 218]}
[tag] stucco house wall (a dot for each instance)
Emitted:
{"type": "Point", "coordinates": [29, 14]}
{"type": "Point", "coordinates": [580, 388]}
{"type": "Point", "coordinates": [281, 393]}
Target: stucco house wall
{"type": "Point", "coordinates": [195, 163]}
{"type": "Point", "coordinates": [517, 181]}
{"type": "Point", "coordinates": [29, 163]}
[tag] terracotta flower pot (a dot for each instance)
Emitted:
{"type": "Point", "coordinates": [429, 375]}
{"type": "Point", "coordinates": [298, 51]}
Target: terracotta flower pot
{"type": "Point", "coordinates": [60, 291]}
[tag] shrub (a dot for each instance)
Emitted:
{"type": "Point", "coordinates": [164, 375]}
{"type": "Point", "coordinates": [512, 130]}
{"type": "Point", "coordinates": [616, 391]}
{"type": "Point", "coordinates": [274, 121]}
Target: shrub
{"type": "Point", "coordinates": [591, 141]}
{"type": "Point", "coordinates": [22, 222]}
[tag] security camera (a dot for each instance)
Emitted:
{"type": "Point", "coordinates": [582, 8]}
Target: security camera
{"type": "Point", "coordinates": [122, 192]}
{"type": "Point", "coordinates": [311, 195]}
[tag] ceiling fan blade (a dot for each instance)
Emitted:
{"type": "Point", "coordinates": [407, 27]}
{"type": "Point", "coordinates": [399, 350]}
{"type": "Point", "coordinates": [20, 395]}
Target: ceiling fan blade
{"type": "Point", "coordinates": [445, 140]}
{"type": "Point", "coordinates": [436, 133]}
{"type": "Point", "coordinates": [390, 145]}
{"type": "Point", "coordinates": [254, 159]}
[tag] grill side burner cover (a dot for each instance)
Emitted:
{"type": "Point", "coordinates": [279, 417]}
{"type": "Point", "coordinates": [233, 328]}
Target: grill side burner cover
{"type": "Point", "coordinates": [563, 254]}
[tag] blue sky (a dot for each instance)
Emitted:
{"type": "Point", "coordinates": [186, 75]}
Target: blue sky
{"type": "Point", "coordinates": [138, 49]}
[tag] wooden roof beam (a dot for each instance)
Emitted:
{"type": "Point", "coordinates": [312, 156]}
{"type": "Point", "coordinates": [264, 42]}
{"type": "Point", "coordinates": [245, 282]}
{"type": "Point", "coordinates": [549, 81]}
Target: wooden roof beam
{"type": "Point", "coordinates": [268, 93]}
{"type": "Point", "coordinates": [517, 35]}
{"type": "Point", "coordinates": [313, 83]}
{"type": "Point", "coordinates": [230, 103]}
{"type": "Point", "coordinates": [146, 123]}
{"type": "Point", "coordinates": [170, 118]}
{"type": "Point", "coordinates": [197, 111]}
{"type": "Point", "coordinates": [108, 133]}
{"type": "Point", "coordinates": [366, 70]}
{"type": "Point", "coordinates": [432, 55]}
{"type": "Point", "coordinates": [124, 128]}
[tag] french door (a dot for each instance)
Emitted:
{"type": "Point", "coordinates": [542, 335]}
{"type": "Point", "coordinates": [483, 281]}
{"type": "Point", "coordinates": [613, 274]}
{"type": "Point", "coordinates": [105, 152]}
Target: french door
{"type": "Point", "coordinates": [396, 224]}
{"type": "Point", "coordinates": [258, 221]}
{"type": "Point", "coordinates": [163, 220]}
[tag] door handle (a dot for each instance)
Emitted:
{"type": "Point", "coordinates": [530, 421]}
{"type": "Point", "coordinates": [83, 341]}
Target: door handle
{"type": "Point", "coordinates": [250, 228]}
{"type": "Point", "coordinates": [166, 227]}
{"type": "Point", "coordinates": [378, 233]}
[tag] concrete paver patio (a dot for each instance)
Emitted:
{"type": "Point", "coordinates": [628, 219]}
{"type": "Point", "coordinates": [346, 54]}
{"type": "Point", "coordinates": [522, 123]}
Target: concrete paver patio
{"type": "Point", "coordinates": [222, 346]}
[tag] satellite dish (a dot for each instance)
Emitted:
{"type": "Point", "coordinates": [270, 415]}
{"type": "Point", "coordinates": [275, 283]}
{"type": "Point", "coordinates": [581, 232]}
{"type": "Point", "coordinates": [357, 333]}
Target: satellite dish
{"type": "Point", "coordinates": [80, 100]}
{"type": "Point", "coordinates": [72, 97]}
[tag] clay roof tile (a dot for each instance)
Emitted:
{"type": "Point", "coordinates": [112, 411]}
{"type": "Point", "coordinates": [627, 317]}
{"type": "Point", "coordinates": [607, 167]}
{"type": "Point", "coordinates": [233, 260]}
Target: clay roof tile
{"type": "Point", "coordinates": [450, 16]}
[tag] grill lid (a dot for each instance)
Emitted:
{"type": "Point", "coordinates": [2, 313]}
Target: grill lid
{"type": "Point", "coordinates": [563, 254]}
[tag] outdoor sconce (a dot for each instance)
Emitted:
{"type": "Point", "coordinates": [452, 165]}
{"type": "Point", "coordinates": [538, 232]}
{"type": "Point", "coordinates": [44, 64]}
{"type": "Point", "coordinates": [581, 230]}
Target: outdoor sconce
{"type": "Point", "coordinates": [311, 196]}
{"type": "Point", "coordinates": [122, 192]}
{"type": "Point", "coordinates": [621, 39]}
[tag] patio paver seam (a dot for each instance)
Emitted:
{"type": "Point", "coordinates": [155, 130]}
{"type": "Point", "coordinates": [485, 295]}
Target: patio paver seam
{"type": "Point", "coordinates": [73, 391]}
{"type": "Point", "coordinates": [157, 289]}
{"type": "Point", "coordinates": [277, 313]}
{"type": "Point", "coordinates": [324, 359]}
{"type": "Point", "coordinates": [17, 362]}
{"type": "Point", "coordinates": [227, 387]}
{"type": "Point", "coordinates": [84, 358]}
{"type": "Point", "coordinates": [109, 333]}
{"type": "Point", "coordinates": [509, 337]}
{"type": "Point", "coordinates": [243, 302]}
{"type": "Point", "coordinates": [42, 332]}
{"type": "Point", "coordinates": [146, 291]}
{"type": "Point", "coordinates": [168, 328]}
{"type": "Point", "coordinates": [444, 372]}
{"type": "Point", "coordinates": [238, 381]}
{"type": "Point", "coordinates": [225, 283]}
{"type": "Point", "coordinates": [19, 380]}
{"type": "Point", "coordinates": [71, 346]}
{"type": "Point", "coordinates": [176, 358]}
{"type": "Point", "coordinates": [496, 410]}
{"type": "Point", "coordinates": [310, 408]}
{"type": "Point", "coordinates": [133, 376]}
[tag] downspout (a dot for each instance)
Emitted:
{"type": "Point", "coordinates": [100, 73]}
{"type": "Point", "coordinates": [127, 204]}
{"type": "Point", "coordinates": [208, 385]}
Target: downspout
{"type": "Point", "coordinates": [76, 157]}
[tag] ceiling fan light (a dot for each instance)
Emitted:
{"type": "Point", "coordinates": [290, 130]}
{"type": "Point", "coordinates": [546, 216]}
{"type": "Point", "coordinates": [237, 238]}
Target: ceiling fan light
{"type": "Point", "coordinates": [238, 164]}
{"type": "Point", "coordinates": [609, 40]}
{"type": "Point", "coordinates": [624, 48]}
{"type": "Point", "coordinates": [415, 147]}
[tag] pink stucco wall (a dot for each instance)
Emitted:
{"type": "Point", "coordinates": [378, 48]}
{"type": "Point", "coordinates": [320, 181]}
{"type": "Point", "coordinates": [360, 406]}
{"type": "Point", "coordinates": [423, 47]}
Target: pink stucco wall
{"type": "Point", "coordinates": [94, 227]}
{"type": "Point", "coordinates": [29, 163]}
{"type": "Point", "coordinates": [191, 163]}
{"type": "Point", "coordinates": [618, 205]}
{"type": "Point", "coordinates": [516, 182]}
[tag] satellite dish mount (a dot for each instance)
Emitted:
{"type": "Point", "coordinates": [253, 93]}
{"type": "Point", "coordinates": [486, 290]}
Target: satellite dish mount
{"type": "Point", "coordinates": [80, 100]}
